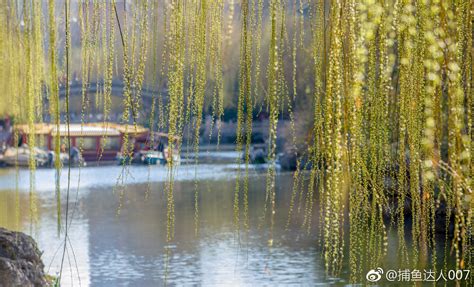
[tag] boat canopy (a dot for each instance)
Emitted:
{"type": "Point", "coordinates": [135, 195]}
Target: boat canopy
{"type": "Point", "coordinates": [80, 130]}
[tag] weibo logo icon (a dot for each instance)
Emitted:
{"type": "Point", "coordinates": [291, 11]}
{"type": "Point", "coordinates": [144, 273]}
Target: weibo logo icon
{"type": "Point", "coordinates": [374, 275]}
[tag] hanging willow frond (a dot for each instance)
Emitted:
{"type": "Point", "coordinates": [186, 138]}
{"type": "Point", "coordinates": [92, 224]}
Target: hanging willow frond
{"type": "Point", "coordinates": [387, 84]}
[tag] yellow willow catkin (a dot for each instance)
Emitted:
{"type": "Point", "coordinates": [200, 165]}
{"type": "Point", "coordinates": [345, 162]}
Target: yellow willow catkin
{"type": "Point", "coordinates": [101, 51]}
{"type": "Point", "coordinates": [412, 61]}
{"type": "Point", "coordinates": [387, 67]}
{"type": "Point", "coordinates": [376, 134]}
{"type": "Point", "coordinates": [123, 29]}
{"type": "Point", "coordinates": [95, 51]}
{"type": "Point", "coordinates": [5, 32]}
{"type": "Point", "coordinates": [239, 140]}
{"type": "Point", "coordinates": [10, 51]}
{"type": "Point", "coordinates": [367, 113]}
{"type": "Point", "coordinates": [296, 175]}
{"type": "Point", "coordinates": [155, 83]}
{"type": "Point", "coordinates": [162, 118]}
{"type": "Point", "coordinates": [108, 49]}
{"type": "Point", "coordinates": [213, 63]}
{"type": "Point", "coordinates": [15, 53]}
{"type": "Point", "coordinates": [246, 86]}
{"type": "Point", "coordinates": [67, 56]}
{"type": "Point", "coordinates": [200, 89]}
{"type": "Point", "coordinates": [38, 67]}
{"type": "Point", "coordinates": [358, 199]}
{"type": "Point", "coordinates": [140, 72]}
{"type": "Point", "coordinates": [468, 74]}
{"type": "Point", "coordinates": [317, 148]}
{"type": "Point", "coordinates": [405, 56]}
{"type": "Point", "coordinates": [87, 42]}
{"type": "Point", "coordinates": [414, 134]}
{"type": "Point", "coordinates": [334, 155]}
{"type": "Point", "coordinates": [54, 104]}
{"type": "Point", "coordinates": [87, 21]}
{"type": "Point", "coordinates": [415, 41]}
{"type": "Point", "coordinates": [128, 47]}
{"type": "Point", "coordinates": [282, 46]}
{"type": "Point", "coordinates": [191, 50]}
{"type": "Point", "coordinates": [258, 47]}
{"type": "Point", "coordinates": [430, 141]}
{"type": "Point", "coordinates": [244, 112]}
{"type": "Point", "coordinates": [215, 56]}
{"type": "Point", "coordinates": [273, 103]}
{"type": "Point", "coordinates": [128, 102]}
{"type": "Point", "coordinates": [134, 77]}
{"type": "Point", "coordinates": [464, 209]}
{"type": "Point", "coordinates": [293, 55]}
{"type": "Point", "coordinates": [31, 115]}
{"type": "Point", "coordinates": [458, 140]}
{"type": "Point", "coordinates": [128, 109]}
{"type": "Point", "coordinates": [424, 201]}
{"type": "Point", "coordinates": [175, 40]}
{"type": "Point", "coordinates": [152, 85]}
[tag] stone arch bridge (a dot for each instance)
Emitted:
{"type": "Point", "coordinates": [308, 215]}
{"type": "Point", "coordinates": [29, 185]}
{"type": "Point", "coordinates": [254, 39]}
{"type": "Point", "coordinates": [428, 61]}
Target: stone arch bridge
{"type": "Point", "coordinates": [75, 89]}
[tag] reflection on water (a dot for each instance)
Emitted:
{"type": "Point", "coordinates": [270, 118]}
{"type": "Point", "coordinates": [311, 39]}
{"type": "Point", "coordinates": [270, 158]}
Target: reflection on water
{"type": "Point", "coordinates": [134, 242]}
{"type": "Point", "coordinates": [130, 249]}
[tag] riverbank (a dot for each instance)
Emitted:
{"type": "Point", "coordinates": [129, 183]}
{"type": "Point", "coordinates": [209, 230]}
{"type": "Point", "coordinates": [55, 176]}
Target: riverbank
{"type": "Point", "coordinates": [20, 261]}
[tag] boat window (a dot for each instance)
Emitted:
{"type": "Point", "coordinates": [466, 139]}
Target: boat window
{"type": "Point", "coordinates": [87, 143]}
{"type": "Point", "coordinates": [42, 142]}
{"type": "Point", "coordinates": [62, 140]}
{"type": "Point", "coordinates": [111, 143]}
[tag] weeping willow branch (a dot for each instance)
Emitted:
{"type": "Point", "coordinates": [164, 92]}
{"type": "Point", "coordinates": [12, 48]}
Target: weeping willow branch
{"type": "Point", "coordinates": [387, 84]}
{"type": "Point", "coordinates": [67, 47]}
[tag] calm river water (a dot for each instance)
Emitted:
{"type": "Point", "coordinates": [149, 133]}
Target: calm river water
{"type": "Point", "coordinates": [129, 249]}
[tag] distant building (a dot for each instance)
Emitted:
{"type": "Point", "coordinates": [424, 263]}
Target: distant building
{"type": "Point", "coordinates": [97, 140]}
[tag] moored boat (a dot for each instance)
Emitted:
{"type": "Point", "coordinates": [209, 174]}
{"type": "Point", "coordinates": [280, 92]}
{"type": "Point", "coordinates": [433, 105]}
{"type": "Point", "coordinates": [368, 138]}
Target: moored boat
{"type": "Point", "coordinates": [21, 156]}
{"type": "Point", "coordinates": [152, 148]}
{"type": "Point", "coordinates": [96, 141]}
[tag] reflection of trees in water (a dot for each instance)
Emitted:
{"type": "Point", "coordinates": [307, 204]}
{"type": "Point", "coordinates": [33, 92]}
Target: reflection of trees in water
{"type": "Point", "coordinates": [139, 232]}
{"type": "Point", "coordinates": [15, 210]}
